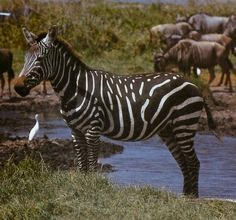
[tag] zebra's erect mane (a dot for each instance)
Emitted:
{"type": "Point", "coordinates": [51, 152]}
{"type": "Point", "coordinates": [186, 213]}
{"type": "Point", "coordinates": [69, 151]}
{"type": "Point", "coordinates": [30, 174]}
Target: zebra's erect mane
{"type": "Point", "coordinates": [41, 36]}
{"type": "Point", "coordinates": [65, 45]}
{"type": "Point", "coordinates": [68, 47]}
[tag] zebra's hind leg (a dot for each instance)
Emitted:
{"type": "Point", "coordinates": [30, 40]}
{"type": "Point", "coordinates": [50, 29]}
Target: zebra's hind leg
{"type": "Point", "coordinates": [185, 157]}
{"type": "Point", "coordinates": [80, 146]}
{"type": "Point", "coordinates": [185, 143]}
{"type": "Point", "coordinates": [169, 139]}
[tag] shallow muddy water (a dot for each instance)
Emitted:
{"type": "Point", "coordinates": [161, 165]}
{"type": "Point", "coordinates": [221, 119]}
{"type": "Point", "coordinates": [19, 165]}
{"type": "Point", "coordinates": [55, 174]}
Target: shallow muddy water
{"type": "Point", "coordinates": [147, 162]}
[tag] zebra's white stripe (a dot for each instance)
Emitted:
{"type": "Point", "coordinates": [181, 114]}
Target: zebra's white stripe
{"type": "Point", "coordinates": [109, 87]}
{"type": "Point", "coordinates": [156, 76]}
{"type": "Point", "coordinates": [145, 123]}
{"type": "Point", "coordinates": [68, 61]}
{"type": "Point", "coordinates": [118, 90]}
{"type": "Point", "coordinates": [133, 96]}
{"type": "Point", "coordinates": [74, 66]}
{"type": "Point", "coordinates": [141, 88]}
{"type": "Point", "coordinates": [182, 135]}
{"type": "Point", "coordinates": [188, 116]}
{"type": "Point", "coordinates": [110, 100]}
{"type": "Point", "coordinates": [186, 127]}
{"type": "Point", "coordinates": [126, 90]}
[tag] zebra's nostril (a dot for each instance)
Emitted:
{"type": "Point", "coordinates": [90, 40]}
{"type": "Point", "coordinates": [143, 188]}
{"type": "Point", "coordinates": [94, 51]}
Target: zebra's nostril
{"type": "Point", "coordinates": [21, 90]}
{"type": "Point", "coordinates": [20, 87]}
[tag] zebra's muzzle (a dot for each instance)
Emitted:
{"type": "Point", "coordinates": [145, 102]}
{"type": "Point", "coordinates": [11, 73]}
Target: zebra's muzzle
{"type": "Point", "coordinates": [20, 86]}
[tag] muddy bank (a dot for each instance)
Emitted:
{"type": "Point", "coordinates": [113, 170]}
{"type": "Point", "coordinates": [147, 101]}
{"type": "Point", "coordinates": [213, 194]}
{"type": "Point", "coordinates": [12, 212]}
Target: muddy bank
{"type": "Point", "coordinates": [224, 113]}
{"type": "Point", "coordinates": [56, 154]}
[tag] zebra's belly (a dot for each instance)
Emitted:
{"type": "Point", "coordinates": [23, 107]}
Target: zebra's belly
{"type": "Point", "coordinates": [134, 139]}
{"type": "Point", "coordinates": [139, 132]}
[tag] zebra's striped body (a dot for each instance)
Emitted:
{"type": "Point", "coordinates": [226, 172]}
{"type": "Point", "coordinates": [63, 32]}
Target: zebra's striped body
{"type": "Point", "coordinates": [129, 108]}
{"type": "Point", "coordinates": [132, 108]}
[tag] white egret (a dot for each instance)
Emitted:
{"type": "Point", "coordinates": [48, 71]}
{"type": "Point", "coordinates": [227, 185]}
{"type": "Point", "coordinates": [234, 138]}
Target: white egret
{"type": "Point", "coordinates": [198, 71]}
{"type": "Point", "coordinates": [5, 14]}
{"type": "Point", "coordinates": [35, 129]}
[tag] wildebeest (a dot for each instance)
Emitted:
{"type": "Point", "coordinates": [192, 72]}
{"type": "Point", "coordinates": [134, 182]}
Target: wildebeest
{"type": "Point", "coordinates": [205, 23]}
{"type": "Point", "coordinates": [170, 33]}
{"type": "Point", "coordinates": [189, 53]}
{"type": "Point", "coordinates": [218, 38]}
{"type": "Point", "coordinates": [6, 58]}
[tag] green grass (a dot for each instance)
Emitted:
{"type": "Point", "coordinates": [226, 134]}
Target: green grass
{"type": "Point", "coordinates": [31, 191]}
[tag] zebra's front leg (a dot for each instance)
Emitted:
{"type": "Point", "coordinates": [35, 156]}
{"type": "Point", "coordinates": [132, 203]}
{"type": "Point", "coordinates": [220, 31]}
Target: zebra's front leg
{"type": "Point", "coordinates": [93, 142]}
{"type": "Point", "coordinates": [81, 149]}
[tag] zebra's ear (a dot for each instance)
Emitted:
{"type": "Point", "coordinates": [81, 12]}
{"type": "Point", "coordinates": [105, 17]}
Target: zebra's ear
{"type": "Point", "coordinates": [29, 36]}
{"type": "Point", "coordinates": [51, 35]}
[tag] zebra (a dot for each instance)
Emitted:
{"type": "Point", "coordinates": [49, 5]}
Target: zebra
{"type": "Point", "coordinates": [122, 107]}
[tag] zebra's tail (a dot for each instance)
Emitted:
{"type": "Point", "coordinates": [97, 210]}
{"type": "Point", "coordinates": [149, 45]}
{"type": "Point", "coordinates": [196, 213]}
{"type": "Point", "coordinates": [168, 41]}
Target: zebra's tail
{"type": "Point", "coordinates": [211, 123]}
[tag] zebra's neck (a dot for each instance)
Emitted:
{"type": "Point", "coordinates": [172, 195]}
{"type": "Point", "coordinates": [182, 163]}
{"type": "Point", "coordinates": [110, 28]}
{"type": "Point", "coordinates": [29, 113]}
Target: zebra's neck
{"type": "Point", "coordinates": [70, 75]}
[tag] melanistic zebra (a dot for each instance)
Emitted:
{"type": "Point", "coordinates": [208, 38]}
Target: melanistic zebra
{"type": "Point", "coordinates": [130, 108]}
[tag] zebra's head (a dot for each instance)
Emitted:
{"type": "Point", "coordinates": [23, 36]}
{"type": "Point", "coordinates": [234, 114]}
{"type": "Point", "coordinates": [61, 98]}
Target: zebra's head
{"type": "Point", "coordinates": [36, 67]}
